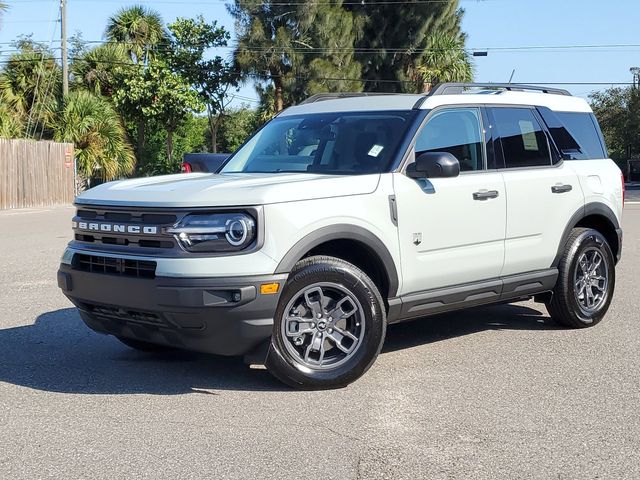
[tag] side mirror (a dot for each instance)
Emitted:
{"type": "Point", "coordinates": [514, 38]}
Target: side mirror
{"type": "Point", "coordinates": [434, 165]}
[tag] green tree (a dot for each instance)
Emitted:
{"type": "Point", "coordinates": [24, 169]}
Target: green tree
{"type": "Point", "coordinates": [98, 69]}
{"type": "Point", "coordinates": [156, 94]}
{"type": "Point", "coordinates": [327, 51]}
{"type": "Point", "coordinates": [141, 32]}
{"type": "Point", "coordinates": [94, 127]}
{"type": "Point", "coordinates": [267, 35]}
{"type": "Point", "coordinates": [299, 48]}
{"type": "Point", "coordinates": [395, 39]}
{"type": "Point", "coordinates": [3, 8]}
{"type": "Point", "coordinates": [139, 29]}
{"type": "Point", "coordinates": [11, 125]}
{"type": "Point", "coordinates": [445, 61]}
{"type": "Point", "coordinates": [236, 128]}
{"type": "Point", "coordinates": [190, 137]}
{"type": "Point", "coordinates": [212, 77]}
{"type": "Point", "coordinates": [618, 112]}
{"type": "Point", "coordinates": [29, 84]}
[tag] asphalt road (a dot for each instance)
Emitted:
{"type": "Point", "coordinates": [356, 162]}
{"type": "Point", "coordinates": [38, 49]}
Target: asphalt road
{"type": "Point", "coordinates": [495, 392]}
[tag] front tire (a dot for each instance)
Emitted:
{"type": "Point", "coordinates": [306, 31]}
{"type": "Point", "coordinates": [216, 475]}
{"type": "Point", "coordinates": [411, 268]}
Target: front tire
{"type": "Point", "coordinates": [586, 280]}
{"type": "Point", "coordinates": [329, 325]}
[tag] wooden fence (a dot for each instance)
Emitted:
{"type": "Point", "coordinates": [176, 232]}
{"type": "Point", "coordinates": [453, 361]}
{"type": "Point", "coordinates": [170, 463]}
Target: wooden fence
{"type": "Point", "coordinates": [35, 174]}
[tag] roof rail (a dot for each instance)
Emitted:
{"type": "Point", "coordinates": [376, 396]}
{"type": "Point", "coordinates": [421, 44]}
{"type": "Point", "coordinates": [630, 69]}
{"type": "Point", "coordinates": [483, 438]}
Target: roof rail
{"type": "Point", "coordinates": [319, 97]}
{"type": "Point", "coordinates": [457, 88]}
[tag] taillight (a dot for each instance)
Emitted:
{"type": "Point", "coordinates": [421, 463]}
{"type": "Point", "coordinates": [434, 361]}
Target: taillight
{"type": "Point", "coordinates": [622, 180]}
{"type": "Point", "coordinates": [185, 167]}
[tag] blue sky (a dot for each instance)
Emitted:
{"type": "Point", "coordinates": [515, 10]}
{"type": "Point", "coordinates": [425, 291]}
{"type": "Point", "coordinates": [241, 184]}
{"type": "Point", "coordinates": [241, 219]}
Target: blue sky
{"type": "Point", "coordinates": [498, 25]}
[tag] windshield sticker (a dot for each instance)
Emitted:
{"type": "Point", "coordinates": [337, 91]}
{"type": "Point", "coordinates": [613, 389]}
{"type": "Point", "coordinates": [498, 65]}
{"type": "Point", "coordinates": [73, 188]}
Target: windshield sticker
{"type": "Point", "coordinates": [375, 150]}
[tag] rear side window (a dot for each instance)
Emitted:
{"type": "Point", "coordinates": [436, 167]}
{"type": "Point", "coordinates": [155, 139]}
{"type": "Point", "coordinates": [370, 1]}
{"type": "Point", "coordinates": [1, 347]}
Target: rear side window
{"type": "Point", "coordinates": [524, 142]}
{"type": "Point", "coordinates": [576, 134]}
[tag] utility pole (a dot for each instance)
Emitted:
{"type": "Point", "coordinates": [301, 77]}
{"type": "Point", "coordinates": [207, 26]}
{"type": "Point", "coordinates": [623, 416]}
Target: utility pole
{"type": "Point", "coordinates": [63, 44]}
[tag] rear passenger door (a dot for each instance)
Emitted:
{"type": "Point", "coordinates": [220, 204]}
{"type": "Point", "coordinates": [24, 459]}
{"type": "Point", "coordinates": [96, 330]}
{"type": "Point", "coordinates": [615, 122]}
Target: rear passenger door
{"type": "Point", "coordinates": [542, 192]}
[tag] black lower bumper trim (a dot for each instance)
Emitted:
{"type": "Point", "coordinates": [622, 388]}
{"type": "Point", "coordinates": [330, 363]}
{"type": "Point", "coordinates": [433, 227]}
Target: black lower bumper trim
{"type": "Point", "coordinates": [225, 316]}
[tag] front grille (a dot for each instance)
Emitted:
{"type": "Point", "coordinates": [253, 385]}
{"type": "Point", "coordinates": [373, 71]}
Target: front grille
{"type": "Point", "coordinates": [114, 266]}
{"type": "Point", "coordinates": [139, 217]}
{"type": "Point", "coordinates": [111, 240]}
{"type": "Point", "coordinates": [124, 241]}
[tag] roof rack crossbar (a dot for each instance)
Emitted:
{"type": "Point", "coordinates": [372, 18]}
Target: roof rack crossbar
{"type": "Point", "coordinates": [457, 88]}
{"type": "Point", "coordinates": [319, 97]}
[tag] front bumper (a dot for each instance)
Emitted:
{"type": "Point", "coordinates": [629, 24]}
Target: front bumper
{"type": "Point", "coordinates": [224, 316]}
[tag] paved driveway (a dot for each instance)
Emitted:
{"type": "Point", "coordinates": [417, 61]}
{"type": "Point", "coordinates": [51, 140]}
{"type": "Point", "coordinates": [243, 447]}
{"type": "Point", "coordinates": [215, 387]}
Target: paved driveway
{"type": "Point", "coordinates": [495, 392]}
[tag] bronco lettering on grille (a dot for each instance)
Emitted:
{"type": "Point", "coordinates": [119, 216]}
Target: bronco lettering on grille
{"type": "Point", "coordinates": [114, 228]}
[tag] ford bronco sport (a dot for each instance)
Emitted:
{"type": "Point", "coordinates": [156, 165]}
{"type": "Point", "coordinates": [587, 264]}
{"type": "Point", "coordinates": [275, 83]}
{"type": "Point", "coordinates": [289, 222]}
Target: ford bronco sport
{"type": "Point", "coordinates": [350, 212]}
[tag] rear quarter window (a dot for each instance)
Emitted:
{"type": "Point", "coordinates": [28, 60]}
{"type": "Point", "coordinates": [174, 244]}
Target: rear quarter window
{"type": "Point", "coordinates": [576, 134]}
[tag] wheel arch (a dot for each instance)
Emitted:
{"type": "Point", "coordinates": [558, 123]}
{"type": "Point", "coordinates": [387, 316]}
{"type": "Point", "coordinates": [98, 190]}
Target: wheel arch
{"type": "Point", "coordinates": [335, 240]}
{"type": "Point", "coordinates": [597, 216]}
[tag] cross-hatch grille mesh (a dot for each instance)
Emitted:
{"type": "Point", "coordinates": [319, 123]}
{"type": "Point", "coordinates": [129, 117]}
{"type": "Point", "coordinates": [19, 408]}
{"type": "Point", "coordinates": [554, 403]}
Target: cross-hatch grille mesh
{"type": "Point", "coordinates": [114, 266]}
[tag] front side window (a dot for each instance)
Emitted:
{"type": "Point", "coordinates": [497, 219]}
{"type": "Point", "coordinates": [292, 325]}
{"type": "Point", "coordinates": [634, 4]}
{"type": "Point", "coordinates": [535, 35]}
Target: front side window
{"type": "Point", "coordinates": [523, 140]}
{"type": "Point", "coordinates": [331, 143]}
{"type": "Point", "coordinates": [456, 131]}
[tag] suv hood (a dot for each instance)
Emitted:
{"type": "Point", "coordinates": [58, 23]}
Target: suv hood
{"type": "Point", "coordinates": [229, 189]}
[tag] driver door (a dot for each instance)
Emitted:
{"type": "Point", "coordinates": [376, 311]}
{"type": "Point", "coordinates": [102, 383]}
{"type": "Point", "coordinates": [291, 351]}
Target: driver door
{"type": "Point", "coordinates": [451, 230]}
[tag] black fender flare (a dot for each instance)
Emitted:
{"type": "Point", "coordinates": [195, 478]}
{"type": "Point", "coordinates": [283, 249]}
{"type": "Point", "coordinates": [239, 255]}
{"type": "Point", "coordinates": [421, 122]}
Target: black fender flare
{"type": "Point", "coordinates": [593, 208]}
{"type": "Point", "coordinates": [342, 232]}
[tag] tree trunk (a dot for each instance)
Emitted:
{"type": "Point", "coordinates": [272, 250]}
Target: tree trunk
{"type": "Point", "coordinates": [140, 141]}
{"type": "Point", "coordinates": [278, 100]}
{"type": "Point", "coordinates": [170, 145]}
{"type": "Point", "coordinates": [213, 130]}
{"type": "Point", "coordinates": [214, 136]}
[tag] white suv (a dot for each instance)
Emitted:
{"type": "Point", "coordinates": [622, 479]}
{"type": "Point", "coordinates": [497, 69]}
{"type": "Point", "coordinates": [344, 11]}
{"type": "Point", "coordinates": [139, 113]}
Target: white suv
{"type": "Point", "coordinates": [350, 212]}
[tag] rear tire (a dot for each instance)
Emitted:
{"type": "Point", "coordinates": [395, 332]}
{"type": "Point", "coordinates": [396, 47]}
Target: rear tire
{"type": "Point", "coordinates": [586, 280]}
{"type": "Point", "coordinates": [329, 325]}
{"type": "Point", "coordinates": [144, 346]}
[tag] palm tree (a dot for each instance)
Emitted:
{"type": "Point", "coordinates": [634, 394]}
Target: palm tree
{"type": "Point", "coordinates": [96, 69]}
{"type": "Point", "coordinates": [94, 127]}
{"type": "Point", "coordinates": [28, 86]}
{"type": "Point", "coordinates": [11, 125]}
{"type": "Point", "coordinates": [3, 8]}
{"type": "Point", "coordinates": [446, 60]}
{"type": "Point", "coordinates": [139, 29]}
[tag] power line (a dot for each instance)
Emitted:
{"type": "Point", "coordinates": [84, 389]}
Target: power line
{"type": "Point", "coordinates": [407, 51]}
{"type": "Point", "coordinates": [338, 79]}
{"type": "Point", "coordinates": [258, 75]}
{"type": "Point", "coordinates": [401, 49]}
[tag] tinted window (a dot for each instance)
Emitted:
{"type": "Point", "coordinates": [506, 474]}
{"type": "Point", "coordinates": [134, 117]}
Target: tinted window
{"type": "Point", "coordinates": [575, 134]}
{"type": "Point", "coordinates": [457, 131]}
{"type": "Point", "coordinates": [523, 140]}
{"type": "Point", "coordinates": [332, 143]}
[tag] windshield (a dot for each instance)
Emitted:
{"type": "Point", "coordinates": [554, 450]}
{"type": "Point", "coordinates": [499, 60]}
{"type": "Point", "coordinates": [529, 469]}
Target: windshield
{"type": "Point", "coordinates": [332, 143]}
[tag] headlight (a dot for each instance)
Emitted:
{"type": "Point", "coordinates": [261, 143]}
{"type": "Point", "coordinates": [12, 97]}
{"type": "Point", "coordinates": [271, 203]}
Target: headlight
{"type": "Point", "coordinates": [215, 232]}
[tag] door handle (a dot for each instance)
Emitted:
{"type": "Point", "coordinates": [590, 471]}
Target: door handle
{"type": "Point", "coordinates": [485, 194]}
{"type": "Point", "coordinates": [561, 188]}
